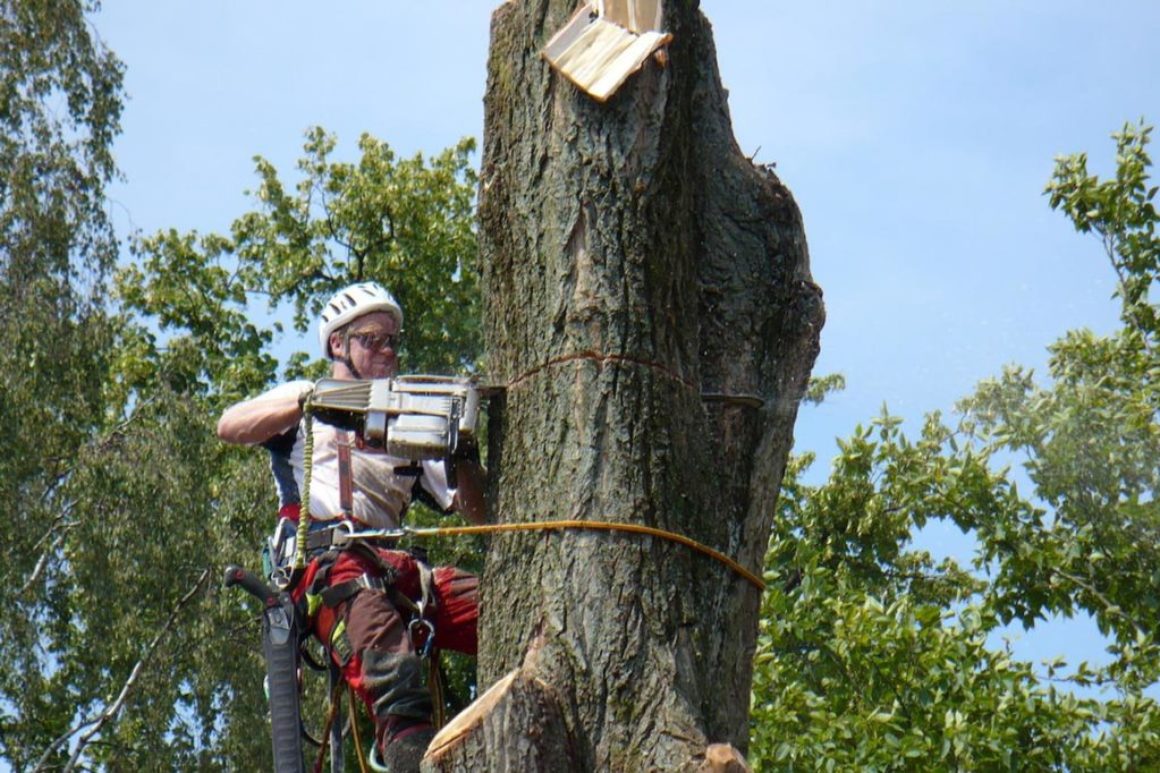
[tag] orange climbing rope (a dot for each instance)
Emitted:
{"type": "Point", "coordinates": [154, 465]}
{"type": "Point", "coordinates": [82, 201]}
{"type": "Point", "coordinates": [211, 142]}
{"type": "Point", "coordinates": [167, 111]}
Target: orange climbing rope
{"type": "Point", "coordinates": [450, 531]}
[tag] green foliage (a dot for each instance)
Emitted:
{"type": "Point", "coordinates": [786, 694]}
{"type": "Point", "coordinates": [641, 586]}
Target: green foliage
{"type": "Point", "coordinates": [1091, 442]}
{"type": "Point", "coordinates": [1121, 212]}
{"type": "Point", "coordinates": [148, 530]}
{"type": "Point", "coordinates": [407, 223]}
{"type": "Point", "coordinates": [872, 656]}
{"type": "Point", "coordinates": [200, 308]}
{"type": "Point", "coordinates": [60, 101]}
{"type": "Point", "coordinates": [60, 107]}
{"type": "Point", "coordinates": [119, 649]}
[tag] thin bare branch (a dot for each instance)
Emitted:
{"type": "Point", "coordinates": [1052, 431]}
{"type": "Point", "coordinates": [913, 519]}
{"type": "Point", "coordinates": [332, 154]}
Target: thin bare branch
{"type": "Point", "coordinates": [56, 521]}
{"type": "Point", "coordinates": [43, 560]}
{"type": "Point", "coordinates": [110, 713]}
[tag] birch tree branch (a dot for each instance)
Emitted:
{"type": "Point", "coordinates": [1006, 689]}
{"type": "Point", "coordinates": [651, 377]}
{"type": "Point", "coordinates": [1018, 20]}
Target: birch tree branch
{"type": "Point", "coordinates": [111, 712]}
{"type": "Point", "coordinates": [43, 560]}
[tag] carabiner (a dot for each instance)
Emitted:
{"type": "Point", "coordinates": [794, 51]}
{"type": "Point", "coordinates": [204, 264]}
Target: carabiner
{"type": "Point", "coordinates": [428, 641]}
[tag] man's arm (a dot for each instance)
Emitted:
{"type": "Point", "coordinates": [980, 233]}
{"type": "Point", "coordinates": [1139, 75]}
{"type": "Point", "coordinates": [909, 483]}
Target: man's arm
{"type": "Point", "coordinates": [263, 417]}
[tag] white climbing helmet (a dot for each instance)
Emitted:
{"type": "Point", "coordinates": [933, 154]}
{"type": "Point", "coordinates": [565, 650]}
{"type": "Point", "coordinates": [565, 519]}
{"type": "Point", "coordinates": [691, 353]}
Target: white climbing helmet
{"type": "Point", "coordinates": [351, 302]}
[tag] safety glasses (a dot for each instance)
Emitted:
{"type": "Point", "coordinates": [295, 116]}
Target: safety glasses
{"type": "Point", "coordinates": [377, 342]}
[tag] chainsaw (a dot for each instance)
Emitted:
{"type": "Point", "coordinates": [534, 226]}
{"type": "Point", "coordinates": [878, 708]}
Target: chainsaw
{"type": "Point", "coordinates": [412, 417]}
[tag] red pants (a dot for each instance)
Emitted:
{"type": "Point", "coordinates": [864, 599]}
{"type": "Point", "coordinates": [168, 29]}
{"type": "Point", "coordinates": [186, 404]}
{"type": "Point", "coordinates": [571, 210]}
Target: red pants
{"type": "Point", "coordinates": [375, 651]}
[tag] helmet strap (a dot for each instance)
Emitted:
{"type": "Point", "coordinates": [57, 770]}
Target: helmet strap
{"type": "Point", "coordinates": [345, 359]}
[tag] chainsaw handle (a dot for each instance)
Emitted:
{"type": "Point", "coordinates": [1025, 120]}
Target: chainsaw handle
{"type": "Point", "coordinates": [236, 575]}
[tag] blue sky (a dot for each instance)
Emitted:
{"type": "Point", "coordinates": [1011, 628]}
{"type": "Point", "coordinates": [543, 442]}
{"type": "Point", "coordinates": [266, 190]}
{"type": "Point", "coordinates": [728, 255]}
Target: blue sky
{"type": "Point", "coordinates": [916, 136]}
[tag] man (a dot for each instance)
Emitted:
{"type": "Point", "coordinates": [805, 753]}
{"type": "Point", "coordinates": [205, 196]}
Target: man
{"type": "Point", "coordinates": [366, 594]}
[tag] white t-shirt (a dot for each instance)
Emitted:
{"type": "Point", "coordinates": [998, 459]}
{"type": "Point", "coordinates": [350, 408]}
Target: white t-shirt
{"type": "Point", "coordinates": [380, 494]}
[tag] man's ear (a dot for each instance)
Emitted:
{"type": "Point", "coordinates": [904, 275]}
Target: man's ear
{"type": "Point", "coordinates": [334, 346]}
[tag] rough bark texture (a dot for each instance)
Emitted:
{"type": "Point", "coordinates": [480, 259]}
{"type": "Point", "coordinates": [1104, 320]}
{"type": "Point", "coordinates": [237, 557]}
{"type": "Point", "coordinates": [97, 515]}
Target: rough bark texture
{"type": "Point", "coordinates": [633, 261]}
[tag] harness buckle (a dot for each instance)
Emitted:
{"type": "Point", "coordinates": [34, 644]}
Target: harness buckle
{"type": "Point", "coordinates": [368, 582]}
{"type": "Point", "coordinates": [282, 576]}
{"type": "Point", "coordinates": [422, 628]}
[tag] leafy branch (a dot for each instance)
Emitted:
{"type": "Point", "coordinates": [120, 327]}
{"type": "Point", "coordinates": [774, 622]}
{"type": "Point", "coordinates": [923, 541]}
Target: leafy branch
{"type": "Point", "coordinates": [111, 712]}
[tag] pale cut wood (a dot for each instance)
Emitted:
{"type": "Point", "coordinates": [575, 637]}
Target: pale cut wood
{"type": "Point", "coordinates": [626, 62]}
{"type": "Point", "coordinates": [598, 55]}
{"type": "Point", "coordinates": [567, 35]}
{"type": "Point", "coordinates": [636, 15]}
{"type": "Point", "coordinates": [723, 758]}
{"type": "Point", "coordinates": [480, 737]}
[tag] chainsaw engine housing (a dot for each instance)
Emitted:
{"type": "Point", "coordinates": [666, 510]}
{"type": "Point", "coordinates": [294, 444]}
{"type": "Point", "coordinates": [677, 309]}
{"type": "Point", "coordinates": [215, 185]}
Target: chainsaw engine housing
{"type": "Point", "coordinates": [412, 417]}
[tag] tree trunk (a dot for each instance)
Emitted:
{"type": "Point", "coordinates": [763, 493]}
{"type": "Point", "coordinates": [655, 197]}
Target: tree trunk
{"type": "Point", "coordinates": [637, 267]}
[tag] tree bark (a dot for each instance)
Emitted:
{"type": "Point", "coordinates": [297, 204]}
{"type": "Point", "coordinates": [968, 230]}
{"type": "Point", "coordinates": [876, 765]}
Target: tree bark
{"type": "Point", "coordinates": [636, 267]}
